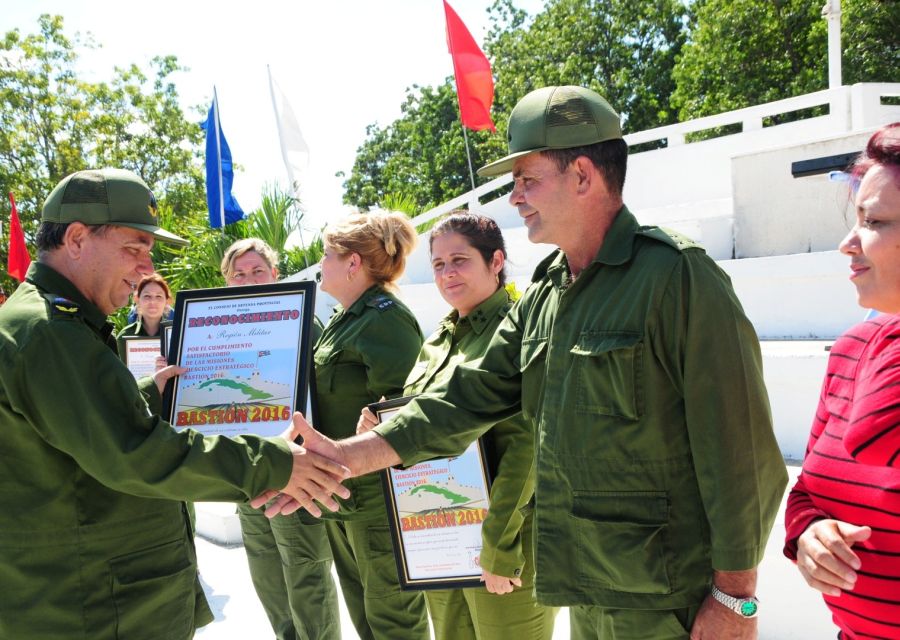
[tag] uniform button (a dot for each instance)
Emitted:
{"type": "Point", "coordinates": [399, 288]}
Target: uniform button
{"type": "Point", "coordinates": [517, 573]}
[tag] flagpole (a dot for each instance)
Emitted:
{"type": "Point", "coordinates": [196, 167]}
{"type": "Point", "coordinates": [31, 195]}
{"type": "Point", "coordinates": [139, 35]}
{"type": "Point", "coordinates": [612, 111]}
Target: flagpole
{"type": "Point", "coordinates": [287, 163]}
{"type": "Point", "coordinates": [468, 155]}
{"type": "Point", "coordinates": [219, 159]}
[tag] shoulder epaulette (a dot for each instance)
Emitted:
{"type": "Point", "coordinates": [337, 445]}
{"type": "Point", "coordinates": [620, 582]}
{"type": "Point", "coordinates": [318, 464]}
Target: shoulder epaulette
{"type": "Point", "coordinates": [382, 303]}
{"type": "Point", "coordinates": [62, 307]}
{"type": "Point", "coordinates": [670, 237]}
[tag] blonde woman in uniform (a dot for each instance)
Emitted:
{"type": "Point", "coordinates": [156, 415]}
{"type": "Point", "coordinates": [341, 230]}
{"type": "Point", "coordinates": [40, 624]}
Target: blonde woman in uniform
{"type": "Point", "coordinates": [366, 352]}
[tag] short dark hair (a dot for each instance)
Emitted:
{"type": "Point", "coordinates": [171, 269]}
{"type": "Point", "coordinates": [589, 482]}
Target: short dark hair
{"type": "Point", "coordinates": [610, 157]}
{"type": "Point", "coordinates": [50, 234]}
{"type": "Point", "coordinates": [482, 233]}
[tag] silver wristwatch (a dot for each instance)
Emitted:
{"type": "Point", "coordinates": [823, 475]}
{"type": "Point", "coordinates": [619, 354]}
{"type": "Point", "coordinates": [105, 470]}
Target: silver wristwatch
{"type": "Point", "coordinates": [744, 607]}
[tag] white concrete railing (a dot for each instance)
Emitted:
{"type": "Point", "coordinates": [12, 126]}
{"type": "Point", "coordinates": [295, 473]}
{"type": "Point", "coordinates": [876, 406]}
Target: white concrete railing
{"type": "Point", "coordinates": [850, 108]}
{"type": "Point", "coordinates": [686, 172]}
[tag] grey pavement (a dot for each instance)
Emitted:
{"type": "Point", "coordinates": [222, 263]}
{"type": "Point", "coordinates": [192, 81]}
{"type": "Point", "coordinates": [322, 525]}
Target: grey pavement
{"type": "Point", "coordinates": [789, 609]}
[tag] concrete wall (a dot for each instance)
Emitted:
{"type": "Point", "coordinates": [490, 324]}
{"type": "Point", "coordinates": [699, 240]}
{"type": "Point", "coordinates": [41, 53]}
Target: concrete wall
{"type": "Point", "coordinates": [698, 171]}
{"type": "Point", "coordinates": [793, 372]}
{"type": "Point", "coordinates": [777, 214]}
{"type": "Point", "coordinates": [801, 297]}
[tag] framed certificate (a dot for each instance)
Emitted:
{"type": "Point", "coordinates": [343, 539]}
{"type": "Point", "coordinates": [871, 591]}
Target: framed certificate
{"type": "Point", "coordinates": [140, 355]}
{"type": "Point", "coordinates": [248, 351]}
{"type": "Point", "coordinates": [435, 510]}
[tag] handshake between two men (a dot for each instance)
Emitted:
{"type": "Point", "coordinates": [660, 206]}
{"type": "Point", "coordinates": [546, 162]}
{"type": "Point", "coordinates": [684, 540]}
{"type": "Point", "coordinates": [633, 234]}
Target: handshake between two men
{"type": "Point", "coordinates": [320, 465]}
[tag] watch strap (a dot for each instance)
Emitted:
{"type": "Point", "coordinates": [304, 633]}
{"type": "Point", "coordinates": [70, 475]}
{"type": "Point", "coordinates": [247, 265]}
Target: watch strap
{"type": "Point", "coordinates": [744, 607]}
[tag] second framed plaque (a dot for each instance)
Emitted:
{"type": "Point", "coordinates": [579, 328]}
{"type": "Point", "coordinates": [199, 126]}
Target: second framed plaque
{"type": "Point", "coordinates": [435, 510]}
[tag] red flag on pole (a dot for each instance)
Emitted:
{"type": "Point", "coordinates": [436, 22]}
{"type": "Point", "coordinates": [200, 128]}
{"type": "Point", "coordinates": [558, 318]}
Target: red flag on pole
{"type": "Point", "coordinates": [19, 259]}
{"type": "Point", "coordinates": [474, 82]}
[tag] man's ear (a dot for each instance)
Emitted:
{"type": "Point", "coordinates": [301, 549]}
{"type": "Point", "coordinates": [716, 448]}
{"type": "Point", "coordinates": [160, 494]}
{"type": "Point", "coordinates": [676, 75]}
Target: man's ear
{"type": "Point", "coordinates": [74, 238]}
{"type": "Point", "coordinates": [585, 173]}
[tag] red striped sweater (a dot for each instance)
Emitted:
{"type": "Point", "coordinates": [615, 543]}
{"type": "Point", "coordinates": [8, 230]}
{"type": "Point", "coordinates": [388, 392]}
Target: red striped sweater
{"type": "Point", "coordinates": [852, 472]}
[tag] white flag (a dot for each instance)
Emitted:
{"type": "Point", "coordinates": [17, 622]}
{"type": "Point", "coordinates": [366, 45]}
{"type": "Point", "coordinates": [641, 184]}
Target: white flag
{"type": "Point", "coordinates": [294, 149]}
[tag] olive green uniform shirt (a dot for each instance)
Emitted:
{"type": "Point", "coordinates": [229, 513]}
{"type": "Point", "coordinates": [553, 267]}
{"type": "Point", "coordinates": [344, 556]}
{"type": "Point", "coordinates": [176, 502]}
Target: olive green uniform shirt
{"type": "Point", "coordinates": [655, 456]}
{"type": "Point", "coordinates": [94, 542]}
{"type": "Point", "coordinates": [365, 352]}
{"type": "Point", "coordinates": [509, 443]}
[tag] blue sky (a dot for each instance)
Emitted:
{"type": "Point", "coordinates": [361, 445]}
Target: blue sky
{"type": "Point", "coordinates": [342, 64]}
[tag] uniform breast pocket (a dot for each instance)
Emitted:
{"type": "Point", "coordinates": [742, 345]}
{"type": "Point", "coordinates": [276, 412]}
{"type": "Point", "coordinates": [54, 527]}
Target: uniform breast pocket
{"type": "Point", "coordinates": [533, 357]}
{"type": "Point", "coordinates": [415, 377]}
{"type": "Point", "coordinates": [326, 363]}
{"type": "Point", "coordinates": [608, 374]}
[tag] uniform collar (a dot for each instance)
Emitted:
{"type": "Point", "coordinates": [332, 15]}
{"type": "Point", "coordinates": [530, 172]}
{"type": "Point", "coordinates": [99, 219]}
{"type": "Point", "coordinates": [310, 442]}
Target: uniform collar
{"type": "Point", "coordinates": [617, 248]}
{"type": "Point", "coordinates": [481, 316]}
{"type": "Point", "coordinates": [50, 280]}
{"type": "Point", "coordinates": [369, 297]}
{"type": "Point", "coordinates": [619, 241]}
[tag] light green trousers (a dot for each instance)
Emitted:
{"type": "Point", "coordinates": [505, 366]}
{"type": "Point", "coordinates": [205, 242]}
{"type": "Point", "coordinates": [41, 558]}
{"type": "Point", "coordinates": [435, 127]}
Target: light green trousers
{"type": "Point", "coordinates": [364, 558]}
{"type": "Point", "coordinates": [476, 614]}
{"type": "Point", "coordinates": [290, 565]}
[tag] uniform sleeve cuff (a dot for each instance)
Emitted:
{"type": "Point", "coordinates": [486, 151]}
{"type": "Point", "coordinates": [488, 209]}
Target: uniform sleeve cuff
{"type": "Point", "coordinates": [395, 436]}
{"type": "Point", "coordinates": [151, 394]}
{"type": "Point", "coordinates": [737, 559]}
{"type": "Point", "coordinates": [282, 464]}
{"type": "Point", "coordinates": [509, 564]}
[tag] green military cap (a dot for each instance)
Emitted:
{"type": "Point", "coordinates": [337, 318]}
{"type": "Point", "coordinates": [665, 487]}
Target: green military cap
{"type": "Point", "coordinates": [556, 118]}
{"type": "Point", "coordinates": [106, 196]}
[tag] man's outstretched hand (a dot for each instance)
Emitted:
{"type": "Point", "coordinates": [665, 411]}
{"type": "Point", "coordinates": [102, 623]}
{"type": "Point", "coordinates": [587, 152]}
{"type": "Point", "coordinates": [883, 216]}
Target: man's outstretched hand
{"type": "Point", "coordinates": [354, 456]}
{"type": "Point", "coordinates": [315, 475]}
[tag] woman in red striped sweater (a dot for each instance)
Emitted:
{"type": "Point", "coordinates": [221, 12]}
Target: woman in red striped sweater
{"type": "Point", "coordinates": [843, 515]}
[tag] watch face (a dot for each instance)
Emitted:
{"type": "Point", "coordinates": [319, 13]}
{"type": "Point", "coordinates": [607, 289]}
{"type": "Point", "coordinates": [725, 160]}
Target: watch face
{"type": "Point", "coordinates": [748, 608]}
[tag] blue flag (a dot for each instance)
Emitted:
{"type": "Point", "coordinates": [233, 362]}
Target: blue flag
{"type": "Point", "coordinates": [223, 208]}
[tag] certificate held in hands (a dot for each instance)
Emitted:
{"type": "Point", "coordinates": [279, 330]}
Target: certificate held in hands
{"type": "Point", "coordinates": [435, 510]}
{"type": "Point", "coordinates": [248, 351]}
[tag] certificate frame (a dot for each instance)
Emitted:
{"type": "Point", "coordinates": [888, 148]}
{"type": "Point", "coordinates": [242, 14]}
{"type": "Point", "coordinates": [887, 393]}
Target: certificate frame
{"type": "Point", "coordinates": [140, 353]}
{"type": "Point", "coordinates": [165, 337]}
{"type": "Point", "coordinates": [248, 351]}
{"type": "Point", "coordinates": [435, 511]}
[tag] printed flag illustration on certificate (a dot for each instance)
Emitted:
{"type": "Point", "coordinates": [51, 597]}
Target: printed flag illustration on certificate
{"type": "Point", "coordinates": [247, 351]}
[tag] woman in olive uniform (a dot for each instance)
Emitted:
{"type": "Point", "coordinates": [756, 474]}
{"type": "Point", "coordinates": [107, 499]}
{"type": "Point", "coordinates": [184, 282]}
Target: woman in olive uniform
{"type": "Point", "coordinates": [467, 257]}
{"type": "Point", "coordinates": [366, 352]}
{"type": "Point", "coordinates": [289, 556]}
{"type": "Point", "coordinates": [152, 301]}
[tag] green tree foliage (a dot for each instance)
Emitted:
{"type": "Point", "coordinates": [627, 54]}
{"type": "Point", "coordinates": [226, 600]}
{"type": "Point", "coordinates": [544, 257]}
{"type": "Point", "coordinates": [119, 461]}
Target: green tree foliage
{"type": "Point", "coordinates": [421, 156]}
{"type": "Point", "coordinates": [623, 48]}
{"type": "Point", "coordinates": [198, 266]}
{"type": "Point", "coordinates": [52, 122]}
{"type": "Point", "coordinates": [745, 52]}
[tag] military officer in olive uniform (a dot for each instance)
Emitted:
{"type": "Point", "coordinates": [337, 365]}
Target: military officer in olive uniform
{"type": "Point", "coordinates": [94, 539]}
{"type": "Point", "coordinates": [658, 473]}
{"type": "Point", "coordinates": [365, 352]}
{"type": "Point", "coordinates": [468, 258]}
